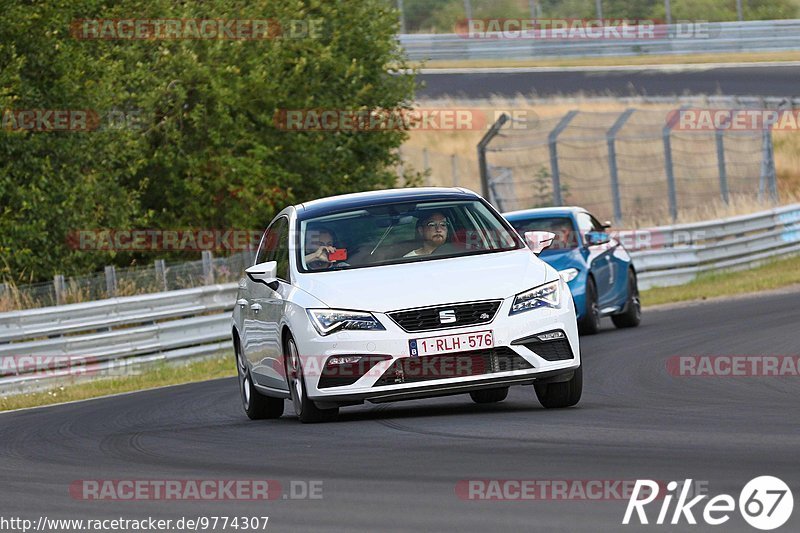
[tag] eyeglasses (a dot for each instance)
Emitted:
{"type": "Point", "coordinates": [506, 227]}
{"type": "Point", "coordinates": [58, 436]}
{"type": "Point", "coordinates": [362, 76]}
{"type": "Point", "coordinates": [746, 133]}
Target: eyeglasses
{"type": "Point", "coordinates": [432, 225]}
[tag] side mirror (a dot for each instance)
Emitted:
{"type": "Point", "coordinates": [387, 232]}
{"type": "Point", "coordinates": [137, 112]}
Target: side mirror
{"type": "Point", "coordinates": [595, 238]}
{"type": "Point", "coordinates": [265, 273]}
{"type": "Point", "coordinates": [539, 240]}
{"type": "Point", "coordinates": [606, 224]}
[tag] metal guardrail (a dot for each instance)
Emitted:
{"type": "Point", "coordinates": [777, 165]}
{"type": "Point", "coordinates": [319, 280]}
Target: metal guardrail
{"type": "Point", "coordinates": [99, 338]}
{"type": "Point", "coordinates": [672, 255]}
{"type": "Point", "coordinates": [749, 36]}
{"type": "Point", "coordinates": [46, 346]}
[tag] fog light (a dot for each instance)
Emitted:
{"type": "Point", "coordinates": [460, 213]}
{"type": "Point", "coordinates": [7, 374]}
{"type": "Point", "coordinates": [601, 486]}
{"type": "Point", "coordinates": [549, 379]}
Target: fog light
{"type": "Point", "coordinates": [550, 336]}
{"type": "Point", "coordinates": [344, 360]}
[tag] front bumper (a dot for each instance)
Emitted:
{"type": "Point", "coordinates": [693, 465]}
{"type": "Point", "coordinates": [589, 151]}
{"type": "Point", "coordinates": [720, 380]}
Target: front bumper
{"type": "Point", "coordinates": [507, 363]}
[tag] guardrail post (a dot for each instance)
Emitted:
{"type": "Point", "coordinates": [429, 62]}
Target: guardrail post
{"type": "Point", "coordinates": [454, 169]}
{"type": "Point", "coordinates": [111, 281]}
{"type": "Point", "coordinates": [208, 267]}
{"type": "Point", "coordinates": [673, 200]}
{"type": "Point", "coordinates": [611, 138]}
{"type": "Point", "coordinates": [58, 287]}
{"type": "Point", "coordinates": [552, 140]}
{"type": "Point", "coordinates": [723, 175]}
{"type": "Point", "coordinates": [482, 165]}
{"type": "Point", "coordinates": [161, 273]}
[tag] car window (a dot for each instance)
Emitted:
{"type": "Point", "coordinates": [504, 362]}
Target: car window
{"type": "Point", "coordinates": [563, 228]}
{"type": "Point", "coordinates": [404, 232]}
{"type": "Point", "coordinates": [276, 235]}
{"type": "Point", "coordinates": [281, 255]}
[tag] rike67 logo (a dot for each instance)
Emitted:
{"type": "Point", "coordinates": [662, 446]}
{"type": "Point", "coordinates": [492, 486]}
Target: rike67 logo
{"type": "Point", "coordinates": [765, 503]}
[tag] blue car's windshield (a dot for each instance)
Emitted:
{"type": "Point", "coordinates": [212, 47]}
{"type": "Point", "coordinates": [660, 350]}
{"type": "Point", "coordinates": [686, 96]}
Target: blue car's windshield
{"type": "Point", "coordinates": [566, 238]}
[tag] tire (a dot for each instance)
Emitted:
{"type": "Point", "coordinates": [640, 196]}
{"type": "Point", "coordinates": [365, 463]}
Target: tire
{"type": "Point", "coordinates": [590, 323]}
{"type": "Point", "coordinates": [256, 405]}
{"type": "Point", "coordinates": [632, 314]}
{"type": "Point", "coordinates": [564, 394]}
{"type": "Point", "coordinates": [306, 410]}
{"type": "Point", "coordinates": [489, 395]}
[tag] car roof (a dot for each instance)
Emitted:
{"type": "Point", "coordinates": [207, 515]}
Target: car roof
{"type": "Point", "coordinates": [358, 200]}
{"type": "Point", "coordinates": [545, 211]}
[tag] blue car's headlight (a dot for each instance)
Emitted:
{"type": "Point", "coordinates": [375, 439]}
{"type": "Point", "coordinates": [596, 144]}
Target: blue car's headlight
{"type": "Point", "coordinates": [327, 321]}
{"type": "Point", "coordinates": [547, 295]}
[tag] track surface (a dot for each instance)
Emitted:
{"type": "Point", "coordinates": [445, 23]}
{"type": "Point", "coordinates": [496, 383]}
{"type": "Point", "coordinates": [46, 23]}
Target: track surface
{"type": "Point", "coordinates": [745, 80]}
{"type": "Point", "coordinates": [395, 467]}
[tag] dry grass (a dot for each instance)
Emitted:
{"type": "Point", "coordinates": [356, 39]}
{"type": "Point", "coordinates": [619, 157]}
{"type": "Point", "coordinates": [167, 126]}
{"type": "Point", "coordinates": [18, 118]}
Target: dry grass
{"type": "Point", "coordinates": [697, 174]}
{"type": "Point", "coordinates": [644, 59]}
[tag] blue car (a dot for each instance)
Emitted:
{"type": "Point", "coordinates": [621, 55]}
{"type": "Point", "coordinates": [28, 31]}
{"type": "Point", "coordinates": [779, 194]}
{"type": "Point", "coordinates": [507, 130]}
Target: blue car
{"type": "Point", "coordinates": [596, 266]}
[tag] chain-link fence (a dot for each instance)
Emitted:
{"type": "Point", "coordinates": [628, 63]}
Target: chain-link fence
{"type": "Point", "coordinates": [157, 277]}
{"type": "Point", "coordinates": [623, 166]}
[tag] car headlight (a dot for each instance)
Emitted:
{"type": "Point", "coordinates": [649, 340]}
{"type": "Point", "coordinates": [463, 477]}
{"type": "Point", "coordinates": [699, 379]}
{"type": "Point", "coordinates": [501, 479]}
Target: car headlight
{"type": "Point", "coordinates": [568, 274]}
{"type": "Point", "coordinates": [327, 321]}
{"type": "Point", "coordinates": [547, 295]}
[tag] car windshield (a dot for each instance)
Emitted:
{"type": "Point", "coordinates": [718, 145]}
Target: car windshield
{"type": "Point", "coordinates": [400, 233]}
{"type": "Point", "coordinates": [565, 239]}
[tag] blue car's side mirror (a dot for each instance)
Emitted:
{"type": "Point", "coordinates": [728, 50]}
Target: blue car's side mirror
{"type": "Point", "coordinates": [595, 238]}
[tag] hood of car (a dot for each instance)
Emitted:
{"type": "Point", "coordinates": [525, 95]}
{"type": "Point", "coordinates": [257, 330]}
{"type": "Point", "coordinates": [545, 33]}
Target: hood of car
{"type": "Point", "coordinates": [442, 281]}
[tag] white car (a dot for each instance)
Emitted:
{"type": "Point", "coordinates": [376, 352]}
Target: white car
{"type": "Point", "coordinates": [400, 294]}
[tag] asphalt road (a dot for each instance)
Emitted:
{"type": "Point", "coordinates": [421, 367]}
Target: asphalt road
{"type": "Point", "coordinates": [745, 80]}
{"type": "Point", "coordinates": [396, 467]}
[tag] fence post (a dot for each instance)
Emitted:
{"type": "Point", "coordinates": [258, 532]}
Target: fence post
{"type": "Point", "coordinates": [552, 139]}
{"type": "Point", "coordinates": [111, 281]}
{"type": "Point", "coordinates": [454, 169]}
{"type": "Point", "coordinates": [482, 165]}
{"type": "Point", "coordinates": [723, 175]}
{"type": "Point", "coordinates": [611, 138]}
{"type": "Point", "coordinates": [161, 273]}
{"type": "Point", "coordinates": [58, 286]}
{"type": "Point", "coordinates": [208, 267]}
{"type": "Point", "coordinates": [673, 200]}
{"type": "Point", "coordinates": [768, 177]}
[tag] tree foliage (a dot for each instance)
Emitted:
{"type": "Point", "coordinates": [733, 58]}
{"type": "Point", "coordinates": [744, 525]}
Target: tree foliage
{"type": "Point", "coordinates": [203, 149]}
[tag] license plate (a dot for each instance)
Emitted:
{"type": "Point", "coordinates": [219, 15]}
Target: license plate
{"type": "Point", "coordinates": [460, 342]}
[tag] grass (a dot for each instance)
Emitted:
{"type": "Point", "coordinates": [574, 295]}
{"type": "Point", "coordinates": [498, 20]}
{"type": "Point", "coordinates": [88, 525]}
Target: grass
{"type": "Point", "coordinates": [644, 59]}
{"type": "Point", "coordinates": [160, 375]}
{"type": "Point", "coordinates": [773, 275]}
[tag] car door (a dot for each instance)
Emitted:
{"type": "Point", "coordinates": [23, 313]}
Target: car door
{"type": "Point", "coordinates": [598, 257]}
{"type": "Point", "coordinates": [267, 304]}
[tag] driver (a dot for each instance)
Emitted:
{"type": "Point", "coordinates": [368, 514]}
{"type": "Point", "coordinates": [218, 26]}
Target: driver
{"type": "Point", "coordinates": [433, 231]}
{"type": "Point", "coordinates": [322, 241]}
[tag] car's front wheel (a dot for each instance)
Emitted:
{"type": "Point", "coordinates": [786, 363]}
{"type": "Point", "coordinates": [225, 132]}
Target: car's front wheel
{"type": "Point", "coordinates": [489, 395]}
{"type": "Point", "coordinates": [306, 409]}
{"type": "Point", "coordinates": [562, 394]}
{"type": "Point", "coordinates": [256, 405]}
{"type": "Point", "coordinates": [632, 314]}
{"type": "Point", "coordinates": [590, 322]}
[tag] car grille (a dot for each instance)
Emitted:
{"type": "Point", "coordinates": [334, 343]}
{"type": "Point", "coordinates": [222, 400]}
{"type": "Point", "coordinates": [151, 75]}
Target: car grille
{"type": "Point", "coordinates": [427, 318]}
{"type": "Point", "coordinates": [444, 366]}
{"type": "Point", "coordinates": [557, 350]}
